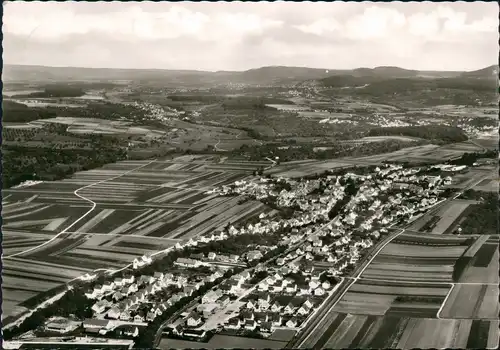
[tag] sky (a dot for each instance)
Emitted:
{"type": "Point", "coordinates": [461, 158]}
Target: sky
{"type": "Point", "coordinates": [244, 35]}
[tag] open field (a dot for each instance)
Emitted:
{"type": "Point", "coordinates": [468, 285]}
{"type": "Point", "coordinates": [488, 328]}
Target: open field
{"type": "Point", "coordinates": [369, 297]}
{"type": "Point", "coordinates": [451, 333]}
{"type": "Point", "coordinates": [383, 138]}
{"type": "Point", "coordinates": [305, 168]}
{"type": "Point", "coordinates": [472, 301]}
{"type": "Point", "coordinates": [483, 266]}
{"type": "Point", "coordinates": [487, 185]}
{"type": "Point", "coordinates": [200, 136]}
{"type": "Point", "coordinates": [425, 153]}
{"type": "Point", "coordinates": [219, 341]}
{"type": "Point", "coordinates": [402, 154]}
{"type": "Point", "coordinates": [24, 278]}
{"type": "Point", "coordinates": [379, 332]}
{"type": "Point", "coordinates": [417, 257]}
{"type": "Point", "coordinates": [448, 216]}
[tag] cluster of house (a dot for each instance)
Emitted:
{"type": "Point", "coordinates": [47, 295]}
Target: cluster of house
{"type": "Point", "coordinates": [288, 286]}
{"type": "Point", "coordinates": [200, 258]}
{"type": "Point", "coordinates": [267, 322]}
{"type": "Point", "coordinates": [275, 301]}
{"type": "Point", "coordinates": [450, 168]}
{"type": "Point", "coordinates": [476, 130]}
{"type": "Point", "coordinates": [386, 122]}
{"type": "Point", "coordinates": [105, 327]}
{"type": "Point", "coordinates": [337, 243]}
{"type": "Point", "coordinates": [157, 112]}
{"type": "Point", "coordinates": [366, 212]}
{"type": "Point", "coordinates": [125, 298]}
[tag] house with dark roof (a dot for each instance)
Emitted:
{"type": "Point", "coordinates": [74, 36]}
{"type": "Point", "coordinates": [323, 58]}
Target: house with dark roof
{"type": "Point", "coordinates": [261, 317]}
{"type": "Point", "coordinates": [267, 327]}
{"type": "Point", "coordinates": [114, 313]}
{"type": "Point", "coordinates": [93, 325]}
{"type": "Point", "coordinates": [195, 333]}
{"type": "Point", "coordinates": [275, 318]}
{"type": "Point", "coordinates": [250, 325]}
{"type": "Point", "coordinates": [247, 315]}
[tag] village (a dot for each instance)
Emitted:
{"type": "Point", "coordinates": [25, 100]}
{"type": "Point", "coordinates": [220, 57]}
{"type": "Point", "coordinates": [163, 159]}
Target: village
{"type": "Point", "coordinates": [336, 219]}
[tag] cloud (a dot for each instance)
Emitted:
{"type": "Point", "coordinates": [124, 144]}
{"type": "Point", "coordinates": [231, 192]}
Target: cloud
{"type": "Point", "coordinates": [320, 26]}
{"type": "Point", "coordinates": [375, 22]}
{"type": "Point", "coordinates": [241, 35]}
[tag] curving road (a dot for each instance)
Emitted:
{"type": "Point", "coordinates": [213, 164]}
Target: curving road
{"type": "Point", "coordinates": [94, 204]}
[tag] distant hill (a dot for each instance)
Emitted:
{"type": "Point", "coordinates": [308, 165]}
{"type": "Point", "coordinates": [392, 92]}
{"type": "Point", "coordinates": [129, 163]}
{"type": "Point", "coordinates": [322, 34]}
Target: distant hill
{"type": "Point", "coordinates": [386, 72]}
{"type": "Point", "coordinates": [259, 76]}
{"type": "Point", "coordinates": [488, 72]}
{"type": "Point", "coordinates": [397, 78]}
{"type": "Point", "coordinates": [62, 74]}
{"type": "Point", "coordinates": [281, 74]}
{"type": "Point", "coordinates": [264, 75]}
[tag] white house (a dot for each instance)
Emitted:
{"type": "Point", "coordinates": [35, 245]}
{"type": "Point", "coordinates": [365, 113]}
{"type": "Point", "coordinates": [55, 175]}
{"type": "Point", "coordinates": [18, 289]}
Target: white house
{"type": "Point", "coordinates": [263, 286]}
{"type": "Point", "coordinates": [185, 262]}
{"type": "Point", "coordinates": [150, 316]}
{"type": "Point", "coordinates": [291, 323]}
{"type": "Point", "coordinates": [125, 316]}
{"type": "Point", "coordinates": [313, 284]}
{"type": "Point", "coordinates": [303, 310]}
{"type": "Point", "coordinates": [264, 299]}
{"type": "Point", "coordinates": [100, 306]}
{"type": "Point", "coordinates": [108, 287]}
{"type": "Point", "coordinates": [211, 297]}
{"type": "Point", "coordinates": [194, 320]}
{"type": "Point", "coordinates": [252, 305]}
{"type": "Point", "coordinates": [114, 313]}
{"type": "Point", "coordinates": [276, 306]}
{"type": "Point", "coordinates": [276, 289]}
{"type": "Point", "coordinates": [319, 291]}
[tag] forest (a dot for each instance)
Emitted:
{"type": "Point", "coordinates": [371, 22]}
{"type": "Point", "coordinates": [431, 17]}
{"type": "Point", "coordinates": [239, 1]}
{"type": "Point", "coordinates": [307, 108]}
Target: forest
{"type": "Point", "coordinates": [436, 133]}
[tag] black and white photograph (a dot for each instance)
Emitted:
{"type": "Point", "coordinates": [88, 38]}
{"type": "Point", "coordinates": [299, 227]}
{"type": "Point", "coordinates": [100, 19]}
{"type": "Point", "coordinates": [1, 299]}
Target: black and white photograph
{"type": "Point", "coordinates": [250, 175]}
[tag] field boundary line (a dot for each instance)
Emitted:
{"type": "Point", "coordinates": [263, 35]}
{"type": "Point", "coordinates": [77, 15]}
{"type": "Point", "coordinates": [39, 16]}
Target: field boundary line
{"type": "Point", "coordinates": [438, 314]}
{"type": "Point", "coordinates": [422, 282]}
{"type": "Point", "coordinates": [94, 204]}
{"type": "Point", "coordinates": [121, 235]}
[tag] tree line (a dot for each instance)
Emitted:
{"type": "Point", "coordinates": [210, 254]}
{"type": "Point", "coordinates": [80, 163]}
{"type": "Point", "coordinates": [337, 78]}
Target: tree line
{"type": "Point", "coordinates": [436, 133]}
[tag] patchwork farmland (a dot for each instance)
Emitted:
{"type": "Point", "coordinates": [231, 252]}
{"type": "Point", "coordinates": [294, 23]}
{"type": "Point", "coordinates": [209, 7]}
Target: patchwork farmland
{"type": "Point", "coordinates": [54, 232]}
{"type": "Point", "coordinates": [420, 291]}
{"type": "Point", "coordinates": [349, 331]}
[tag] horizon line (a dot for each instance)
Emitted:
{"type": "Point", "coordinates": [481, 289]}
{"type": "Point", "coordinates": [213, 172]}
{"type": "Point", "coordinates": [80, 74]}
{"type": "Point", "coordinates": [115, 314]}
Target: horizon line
{"type": "Point", "coordinates": [245, 70]}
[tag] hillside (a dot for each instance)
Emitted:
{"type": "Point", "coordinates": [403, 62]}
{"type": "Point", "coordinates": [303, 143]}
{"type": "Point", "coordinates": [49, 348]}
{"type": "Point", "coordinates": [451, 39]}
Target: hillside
{"type": "Point", "coordinates": [386, 72]}
{"type": "Point", "coordinates": [488, 72]}
{"type": "Point", "coordinates": [19, 73]}
{"type": "Point", "coordinates": [258, 76]}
